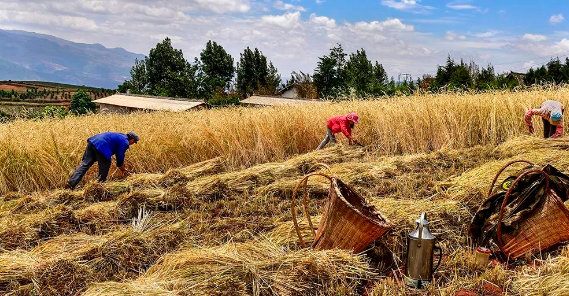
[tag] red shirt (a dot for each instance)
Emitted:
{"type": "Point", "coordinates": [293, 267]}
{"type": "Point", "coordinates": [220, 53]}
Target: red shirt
{"type": "Point", "coordinates": [339, 124]}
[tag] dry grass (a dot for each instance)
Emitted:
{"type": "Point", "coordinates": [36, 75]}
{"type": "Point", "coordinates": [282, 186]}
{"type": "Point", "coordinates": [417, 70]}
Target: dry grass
{"type": "Point", "coordinates": [222, 226]}
{"type": "Point", "coordinates": [38, 155]}
{"type": "Point", "coordinates": [259, 267]}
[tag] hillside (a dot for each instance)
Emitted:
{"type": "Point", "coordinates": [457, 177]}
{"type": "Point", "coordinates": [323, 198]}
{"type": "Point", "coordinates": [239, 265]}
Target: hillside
{"type": "Point", "coordinates": [209, 210]}
{"type": "Point", "coordinates": [31, 56]}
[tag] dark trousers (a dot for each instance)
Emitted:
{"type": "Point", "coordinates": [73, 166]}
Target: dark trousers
{"type": "Point", "coordinates": [548, 128]}
{"type": "Point", "coordinates": [329, 138]}
{"type": "Point", "coordinates": [91, 156]}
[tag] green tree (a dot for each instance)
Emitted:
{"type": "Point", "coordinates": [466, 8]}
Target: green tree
{"type": "Point", "coordinates": [82, 103]}
{"type": "Point", "coordinates": [486, 79]}
{"type": "Point", "coordinates": [163, 72]}
{"type": "Point", "coordinates": [255, 75]}
{"type": "Point", "coordinates": [360, 73]}
{"type": "Point", "coordinates": [379, 79]}
{"type": "Point", "coordinates": [217, 67]}
{"type": "Point", "coordinates": [330, 75]}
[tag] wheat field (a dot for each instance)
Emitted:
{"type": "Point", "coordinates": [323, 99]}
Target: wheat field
{"type": "Point", "coordinates": [38, 155]}
{"type": "Point", "coordinates": [208, 211]}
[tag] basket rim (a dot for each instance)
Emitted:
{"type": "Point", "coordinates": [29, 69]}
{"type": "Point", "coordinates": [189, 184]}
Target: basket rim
{"type": "Point", "coordinates": [386, 223]}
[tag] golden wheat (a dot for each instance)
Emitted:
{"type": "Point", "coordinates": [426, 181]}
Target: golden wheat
{"type": "Point", "coordinates": [37, 155]}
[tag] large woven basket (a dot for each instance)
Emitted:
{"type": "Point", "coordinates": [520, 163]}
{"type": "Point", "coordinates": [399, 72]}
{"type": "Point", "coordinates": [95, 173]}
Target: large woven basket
{"type": "Point", "coordinates": [348, 221]}
{"type": "Point", "coordinates": [546, 226]}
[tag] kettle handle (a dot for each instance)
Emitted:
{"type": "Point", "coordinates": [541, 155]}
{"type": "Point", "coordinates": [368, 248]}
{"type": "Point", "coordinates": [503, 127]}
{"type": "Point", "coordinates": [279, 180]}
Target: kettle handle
{"type": "Point", "coordinates": [421, 225]}
{"type": "Point", "coordinates": [440, 257]}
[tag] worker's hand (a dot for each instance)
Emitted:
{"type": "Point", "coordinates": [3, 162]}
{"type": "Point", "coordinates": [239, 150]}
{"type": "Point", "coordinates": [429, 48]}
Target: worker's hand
{"type": "Point", "coordinates": [531, 129]}
{"type": "Point", "coordinates": [351, 141]}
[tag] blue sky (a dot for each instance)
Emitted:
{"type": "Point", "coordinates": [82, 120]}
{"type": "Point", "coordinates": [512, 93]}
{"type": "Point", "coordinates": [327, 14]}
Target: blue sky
{"type": "Point", "coordinates": [406, 36]}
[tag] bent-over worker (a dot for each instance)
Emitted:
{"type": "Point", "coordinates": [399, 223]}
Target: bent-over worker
{"type": "Point", "coordinates": [100, 149]}
{"type": "Point", "coordinates": [551, 113]}
{"type": "Point", "coordinates": [338, 124]}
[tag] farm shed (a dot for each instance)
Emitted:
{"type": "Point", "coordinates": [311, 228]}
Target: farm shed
{"type": "Point", "coordinates": [518, 76]}
{"type": "Point", "coordinates": [274, 101]}
{"type": "Point", "coordinates": [290, 92]}
{"type": "Point", "coordinates": [125, 103]}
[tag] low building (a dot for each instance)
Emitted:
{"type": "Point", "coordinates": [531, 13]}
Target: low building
{"type": "Point", "coordinates": [290, 92]}
{"type": "Point", "coordinates": [520, 77]}
{"type": "Point", "coordinates": [274, 101]}
{"type": "Point", "coordinates": [126, 103]}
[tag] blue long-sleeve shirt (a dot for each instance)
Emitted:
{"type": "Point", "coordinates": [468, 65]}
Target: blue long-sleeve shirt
{"type": "Point", "coordinates": [110, 144]}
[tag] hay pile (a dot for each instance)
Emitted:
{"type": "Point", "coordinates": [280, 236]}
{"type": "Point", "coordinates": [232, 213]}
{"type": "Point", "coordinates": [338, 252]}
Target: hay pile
{"type": "Point", "coordinates": [232, 232]}
{"type": "Point", "coordinates": [546, 277]}
{"type": "Point", "coordinates": [248, 180]}
{"type": "Point", "coordinates": [256, 268]}
{"type": "Point", "coordinates": [65, 265]}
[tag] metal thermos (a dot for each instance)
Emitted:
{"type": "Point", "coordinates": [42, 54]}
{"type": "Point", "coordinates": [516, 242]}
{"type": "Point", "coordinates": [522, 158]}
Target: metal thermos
{"type": "Point", "coordinates": [420, 247]}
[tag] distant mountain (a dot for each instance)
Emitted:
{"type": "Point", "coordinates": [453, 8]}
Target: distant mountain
{"type": "Point", "coordinates": [32, 56]}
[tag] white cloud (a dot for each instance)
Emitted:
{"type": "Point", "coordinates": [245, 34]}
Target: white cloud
{"type": "Point", "coordinates": [287, 6]}
{"type": "Point", "coordinates": [407, 5]}
{"type": "Point", "coordinates": [393, 24]}
{"type": "Point", "coordinates": [530, 64]}
{"type": "Point", "coordinates": [458, 6]}
{"type": "Point", "coordinates": [487, 34]}
{"type": "Point", "coordinates": [556, 19]}
{"type": "Point", "coordinates": [322, 21]}
{"type": "Point", "coordinates": [534, 37]}
{"type": "Point", "coordinates": [451, 36]}
{"type": "Point", "coordinates": [287, 20]}
{"type": "Point", "coordinates": [547, 49]}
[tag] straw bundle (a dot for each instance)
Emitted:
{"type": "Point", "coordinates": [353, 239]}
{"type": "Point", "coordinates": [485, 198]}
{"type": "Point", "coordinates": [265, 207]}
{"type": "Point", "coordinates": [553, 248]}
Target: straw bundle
{"type": "Point", "coordinates": [96, 192]}
{"type": "Point", "coordinates": [15, 270]}
{"type": "Point", "coordinates": [128, 253]}
{"type": "Point", "coordinates": [547, 277]}
{"type": "Point", "coordinates": [245, 181]}
{"type": "Point", "coordinates": [255, 268]}
{"type": "Point", "coordinates": [61, 277]}
{"type": "Point", "coordinates": [24, 231]}
{"type": "Point", "coordinates": [98, 218]}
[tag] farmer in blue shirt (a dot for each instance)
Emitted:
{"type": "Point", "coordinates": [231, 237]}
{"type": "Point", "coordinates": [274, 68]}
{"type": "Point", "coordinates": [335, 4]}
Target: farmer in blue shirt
{"type": "Point", "coordinates": [100, 149]}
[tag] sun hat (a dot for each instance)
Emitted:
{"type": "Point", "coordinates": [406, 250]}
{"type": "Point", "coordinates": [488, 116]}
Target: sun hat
{"type": "Point", "coordinates": [353, 117]}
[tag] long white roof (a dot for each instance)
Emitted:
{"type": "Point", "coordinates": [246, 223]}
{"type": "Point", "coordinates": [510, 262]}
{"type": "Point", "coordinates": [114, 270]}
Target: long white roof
{"type": "Point", "coordinates": [149, 103]}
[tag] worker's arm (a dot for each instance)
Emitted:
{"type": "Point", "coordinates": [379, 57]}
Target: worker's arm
{"type": "Point", "coordinates": [346, 130]}
{"type": "Point", "coordinates": [120, 156]}
{"type": "Point", "coordinates": [529, 114]}
{"type": "Point", "coordinates": [558, 130]}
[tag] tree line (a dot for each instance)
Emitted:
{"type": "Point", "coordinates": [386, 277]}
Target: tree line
{"type": "Point", "coordinates": [44, 94]}
{"type": "Point", "coordinates": [165, 72]}
{"type": "Point", "coordinates": [216, 78]}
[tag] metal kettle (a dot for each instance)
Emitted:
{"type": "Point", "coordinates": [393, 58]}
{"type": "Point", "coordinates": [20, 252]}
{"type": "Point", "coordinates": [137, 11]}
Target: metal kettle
{"type": "Point", "coordinates": [420, 248]}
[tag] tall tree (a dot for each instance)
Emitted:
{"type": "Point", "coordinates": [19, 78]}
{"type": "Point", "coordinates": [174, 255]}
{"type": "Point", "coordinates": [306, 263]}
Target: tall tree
{"type": "Point", "coordinates": [360, 73]}
{"type": "Point", "coordinates": [330, 75]}
{"type": "Point", "coordinates": [380, 79]}
{"type": "Point", "coordinates": [254, 75]}
{"type": "Point", "coordinates": [163, 72]}
{"type": "Point", "coordinates": [217, 66]}
{"type": "Point", "coordinates": [167, 70]}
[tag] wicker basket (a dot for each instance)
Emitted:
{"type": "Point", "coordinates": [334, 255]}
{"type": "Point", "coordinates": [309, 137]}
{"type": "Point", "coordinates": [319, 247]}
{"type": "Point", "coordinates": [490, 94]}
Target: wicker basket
{"type": "Point", "coordinates": [348, 221]}
{"type": "Point", "coordinates": [546, 226]}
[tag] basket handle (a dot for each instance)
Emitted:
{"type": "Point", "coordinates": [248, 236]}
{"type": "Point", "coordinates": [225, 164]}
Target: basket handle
{"type": "Point", "coordinates": [501, 215]}
{"type": "Point", "coordinates": [304, 184]}
{"type": "Point", "coordinates": [502, 169]}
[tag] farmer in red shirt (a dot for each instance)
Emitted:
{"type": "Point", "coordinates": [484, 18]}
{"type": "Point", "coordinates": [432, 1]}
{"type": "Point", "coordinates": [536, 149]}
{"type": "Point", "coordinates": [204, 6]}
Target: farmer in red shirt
{"type": "Point", "coordinates": [338, 124]}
